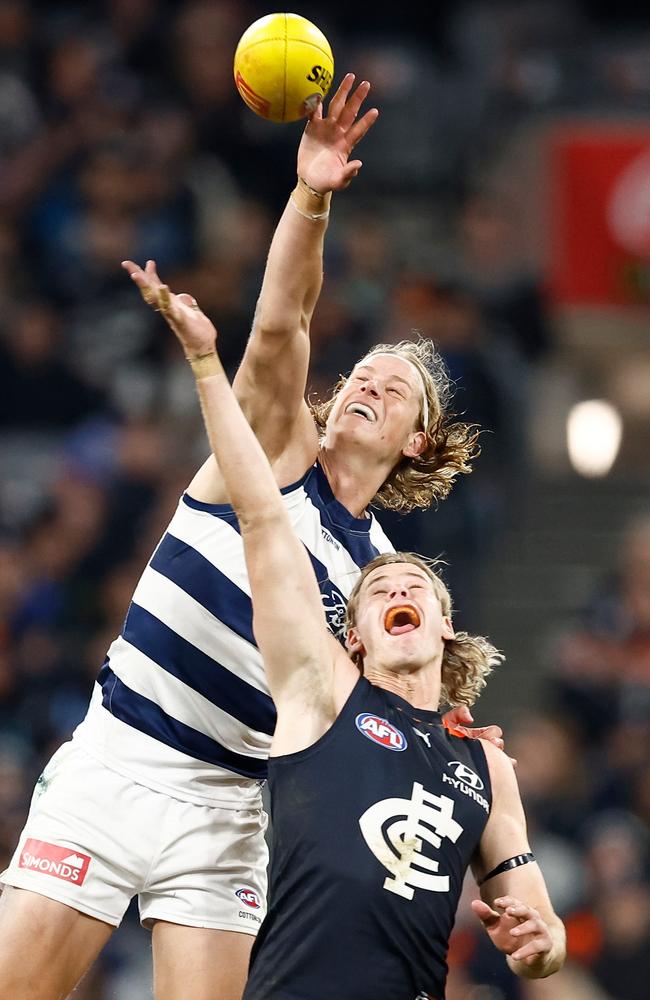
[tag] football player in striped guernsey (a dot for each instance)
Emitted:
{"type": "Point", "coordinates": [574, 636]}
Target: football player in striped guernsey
{"type": "Point", "coordinates": [159, 792]}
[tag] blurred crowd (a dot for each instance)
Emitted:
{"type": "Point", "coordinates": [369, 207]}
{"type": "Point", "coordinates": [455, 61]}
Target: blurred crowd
{"type": "Point", "coordinates": [122, 135]}
{"type": "Point", "coordinates": [583, 765]}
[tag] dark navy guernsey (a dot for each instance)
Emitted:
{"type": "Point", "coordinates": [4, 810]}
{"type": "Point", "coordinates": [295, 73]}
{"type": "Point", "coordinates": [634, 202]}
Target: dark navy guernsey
{"type": "Point", "coordinates": [373, 830]}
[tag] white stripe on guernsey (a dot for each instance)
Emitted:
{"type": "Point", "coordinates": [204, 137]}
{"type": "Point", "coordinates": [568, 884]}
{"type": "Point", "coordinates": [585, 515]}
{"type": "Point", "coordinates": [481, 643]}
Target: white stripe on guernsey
{"type": "Point", "coordinates": [215, 539]}
{"type": "Point", "coordinates": [181, 702]}
{"type": "Point", "coordinates": [379, 538]}
{"type": "Point", "coordinates": [182, 614]}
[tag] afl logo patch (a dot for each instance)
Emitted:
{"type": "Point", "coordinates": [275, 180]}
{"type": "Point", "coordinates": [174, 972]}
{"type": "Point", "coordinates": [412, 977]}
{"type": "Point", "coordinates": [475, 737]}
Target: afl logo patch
{"type": "Point", "coordinates": [249, 897]}
{"type": "Point", "coordinates": [380, 731]}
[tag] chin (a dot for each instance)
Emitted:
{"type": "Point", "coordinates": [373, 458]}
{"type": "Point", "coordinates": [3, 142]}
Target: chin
{"type": "Point", "coordinates": [414, 659]}
{"type": "Point", "coordinates": [354, 429]}
{"type": "Point", "coordinates": [346, 434]}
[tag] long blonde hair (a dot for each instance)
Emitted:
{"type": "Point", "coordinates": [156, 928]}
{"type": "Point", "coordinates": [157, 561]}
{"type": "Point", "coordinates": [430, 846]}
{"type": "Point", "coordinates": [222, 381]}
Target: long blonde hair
{"type": "Point", "coordinates": [467, 660]}
{"type": "Point", "coordinates": [451, 445]}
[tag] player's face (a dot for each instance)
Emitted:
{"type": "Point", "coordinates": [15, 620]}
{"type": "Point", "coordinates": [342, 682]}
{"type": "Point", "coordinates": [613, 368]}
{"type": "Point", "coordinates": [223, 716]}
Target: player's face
{"type": "Point", "coordinates": [400, 623]}
{"type": "Point", "coordinates": [379, 407]}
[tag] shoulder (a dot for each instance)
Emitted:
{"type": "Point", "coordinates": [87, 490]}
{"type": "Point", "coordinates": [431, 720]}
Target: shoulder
{"type": "Point", "coordinates": [503, 779]}
{"type": "Point", "coordinates": [502, 772]}
{"type": "Point", "coordinates": [498, 762]}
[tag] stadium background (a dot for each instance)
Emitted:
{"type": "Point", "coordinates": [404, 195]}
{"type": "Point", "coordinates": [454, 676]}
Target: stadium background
{"type": "Point", "coordinates": [503, 211]}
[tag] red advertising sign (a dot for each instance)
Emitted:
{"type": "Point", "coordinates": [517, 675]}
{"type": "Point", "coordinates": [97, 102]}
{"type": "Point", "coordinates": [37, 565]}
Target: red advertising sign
{"type": "Point", "coordinates": [599, 249]}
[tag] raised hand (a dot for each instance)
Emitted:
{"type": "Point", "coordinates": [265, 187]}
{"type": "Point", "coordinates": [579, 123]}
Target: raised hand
{"type": "Point", "coordinates": [193, 329]}
{"type": "Point", "coordinates": [516, 929]}
{"type": "Point", "coordinates": [328, 140]}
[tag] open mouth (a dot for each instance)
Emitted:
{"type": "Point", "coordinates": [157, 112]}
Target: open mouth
{"type": "Point", "coordinates": [362, 410]}
{"type": "Point", "coordinates": [401, 619]}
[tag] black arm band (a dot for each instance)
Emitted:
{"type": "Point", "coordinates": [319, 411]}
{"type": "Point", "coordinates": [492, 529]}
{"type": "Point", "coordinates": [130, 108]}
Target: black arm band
{"type": "Point", "coordinates": [505, 866]}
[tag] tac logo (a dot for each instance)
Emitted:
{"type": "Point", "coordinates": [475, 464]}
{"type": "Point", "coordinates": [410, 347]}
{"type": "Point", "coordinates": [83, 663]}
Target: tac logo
{"type": "Point", "coordinates": [380, 731]}
{"type": "Point", "coordinates": [465, 774]}
{"type": "Point", "coordinates": [249, 897]}
{"type": "Point", "coordinates": [39, 856]}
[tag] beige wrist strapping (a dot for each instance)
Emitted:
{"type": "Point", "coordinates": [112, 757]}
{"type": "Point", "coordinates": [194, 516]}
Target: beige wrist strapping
{"type": "Point", "coordinates": [310, 203]}
{"type": "Point", "coordinates": [205, 364]}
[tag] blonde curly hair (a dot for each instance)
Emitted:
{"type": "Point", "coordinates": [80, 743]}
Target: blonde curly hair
{"type": "Point", "coordinates": [451, 445]}
{"type": "Point", "coordinates": [467, 660]}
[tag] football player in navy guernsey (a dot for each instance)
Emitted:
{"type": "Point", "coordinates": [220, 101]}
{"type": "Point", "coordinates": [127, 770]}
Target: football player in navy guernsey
{"type": "Point", "coordinates": [159, 792]}
{"type": "Point", "coordinates": [377, 809]}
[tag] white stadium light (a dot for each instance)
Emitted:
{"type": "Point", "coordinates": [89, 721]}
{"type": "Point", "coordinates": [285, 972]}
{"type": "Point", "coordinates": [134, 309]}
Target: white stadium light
{"type": "Point", "coordinates": [594, 431]}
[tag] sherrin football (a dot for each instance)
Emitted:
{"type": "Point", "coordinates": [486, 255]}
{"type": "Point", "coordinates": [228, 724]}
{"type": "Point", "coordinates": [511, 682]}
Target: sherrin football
{"type": "Point", "coordinates": [283, 64]}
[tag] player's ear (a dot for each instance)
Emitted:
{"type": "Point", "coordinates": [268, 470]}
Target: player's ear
{"type": "Point", "coordinates": [447, 628]}
{"type": "Point", "coordinates": [416, 444]}
{"type": "Point", "coordinates": [353, 643]}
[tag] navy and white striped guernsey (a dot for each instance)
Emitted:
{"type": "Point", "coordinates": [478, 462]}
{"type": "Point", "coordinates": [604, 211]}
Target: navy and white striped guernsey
{"type": "Point", "coordinates": [181, 703]}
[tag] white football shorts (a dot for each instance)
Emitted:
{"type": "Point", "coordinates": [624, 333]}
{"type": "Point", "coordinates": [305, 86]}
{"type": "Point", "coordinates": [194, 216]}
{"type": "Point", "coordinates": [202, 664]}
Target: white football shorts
{"type": "Point", "coordinates": [94, 839]}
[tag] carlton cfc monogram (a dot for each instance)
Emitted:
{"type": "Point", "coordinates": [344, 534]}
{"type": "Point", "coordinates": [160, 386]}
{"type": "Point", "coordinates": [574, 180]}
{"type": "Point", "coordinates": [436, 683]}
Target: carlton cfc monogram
{"type": "Point", "coordinates": [394, 830]}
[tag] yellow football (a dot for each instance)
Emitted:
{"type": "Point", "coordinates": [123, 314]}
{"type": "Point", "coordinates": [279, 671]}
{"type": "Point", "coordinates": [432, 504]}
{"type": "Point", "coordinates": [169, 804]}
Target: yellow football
{"type": "Point", "coordinates": [283, 64]}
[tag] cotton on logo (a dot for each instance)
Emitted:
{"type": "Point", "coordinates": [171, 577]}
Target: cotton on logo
{"type": "Point", "coordinates": [249, 897]}
{"type": "Point", "coordinates": [49, 859]}
{"type": "Point", "coordinates": [380, 731]}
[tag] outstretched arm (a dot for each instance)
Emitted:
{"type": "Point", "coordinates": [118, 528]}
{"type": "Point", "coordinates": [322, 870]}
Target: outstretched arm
{"type": "Point", "coordinates": [271, 381]}
{"type": "Point", "coordinates": [515, 908]}
{"type": "Point", "coordinates": [288, 618]}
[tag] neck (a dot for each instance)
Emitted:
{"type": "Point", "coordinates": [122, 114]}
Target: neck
{"type": "Point", "coordinates": [353, 482]}
{"type": "Point", "coordinates": [420, 688]}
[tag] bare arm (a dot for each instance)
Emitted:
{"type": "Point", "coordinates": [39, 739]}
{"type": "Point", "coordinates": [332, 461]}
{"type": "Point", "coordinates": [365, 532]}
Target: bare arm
{"type": "Point", "coordinates": [515, 908]}
{"type": "Point", "coordinates": [271, 381]}
{"type": "Point", "coordinates": [288, 618]}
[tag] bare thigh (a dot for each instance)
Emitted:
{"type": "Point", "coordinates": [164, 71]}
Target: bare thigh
{"type": "Point", "coordinates": [45, 946]}
{"type": "Point", "coordinates": [197, 963]}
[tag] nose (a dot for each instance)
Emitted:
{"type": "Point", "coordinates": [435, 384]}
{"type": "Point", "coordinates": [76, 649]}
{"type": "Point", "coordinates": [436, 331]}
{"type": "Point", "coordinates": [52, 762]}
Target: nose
{"type": "Point", "coordinates": [398, 591]}
{"type": "Point", "coordinates": [371, 388]}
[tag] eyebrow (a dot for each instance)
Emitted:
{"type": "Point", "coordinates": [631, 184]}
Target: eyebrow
{"type": "Point", "coordinates": [396, 378]}
{"type": "Point", "coordinates": [416, 576]}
